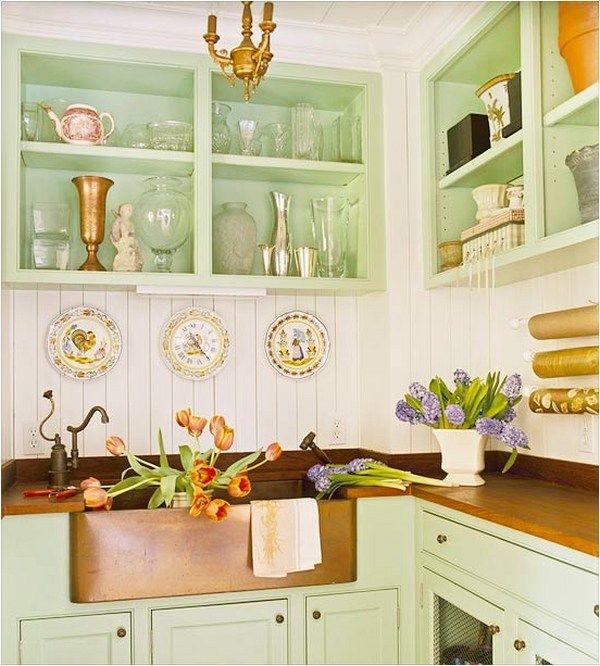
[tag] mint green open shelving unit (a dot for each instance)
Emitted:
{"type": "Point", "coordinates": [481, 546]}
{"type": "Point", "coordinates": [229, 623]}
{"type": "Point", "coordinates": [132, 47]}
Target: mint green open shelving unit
{"type": "Point", "coordinates": [142, 85]}
{"type": "Point", "coordinates": [508, 37]}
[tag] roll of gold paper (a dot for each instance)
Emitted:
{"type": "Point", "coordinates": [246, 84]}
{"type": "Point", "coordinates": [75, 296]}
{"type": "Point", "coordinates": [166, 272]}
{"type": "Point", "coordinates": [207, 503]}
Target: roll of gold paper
{"type": "Point", "coordinates": [564, 401]}
{"type": "Point", "coordinates": [566, 362]}
{"type": "Point", "coordinates": [573, 323]}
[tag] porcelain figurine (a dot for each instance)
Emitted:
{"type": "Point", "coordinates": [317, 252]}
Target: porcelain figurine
{"type": "Point", "coordinates": [81, 124]}
{"type": "Point", "coordinates": [129, 258]}
{"type": "Point", "coordinates": [515, 195]}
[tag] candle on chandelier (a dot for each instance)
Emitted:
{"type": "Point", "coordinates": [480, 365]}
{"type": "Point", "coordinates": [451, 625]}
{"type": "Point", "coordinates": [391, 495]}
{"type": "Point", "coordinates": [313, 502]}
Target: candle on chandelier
{"type": "Point", "coordinates": [212, 24]}
{"type": "Point", "coordinates": [268, 11]}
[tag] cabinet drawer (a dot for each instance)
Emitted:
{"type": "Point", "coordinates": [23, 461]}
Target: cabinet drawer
{"type": "Point", "coordinates": [553, 585]}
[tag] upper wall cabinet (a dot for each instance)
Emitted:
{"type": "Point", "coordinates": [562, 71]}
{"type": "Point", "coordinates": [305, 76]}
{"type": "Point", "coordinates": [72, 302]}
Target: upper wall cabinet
{"type": "Point", "coordinates": [225, 175]}
{"type": "Point", "coordinates": [506, 38]}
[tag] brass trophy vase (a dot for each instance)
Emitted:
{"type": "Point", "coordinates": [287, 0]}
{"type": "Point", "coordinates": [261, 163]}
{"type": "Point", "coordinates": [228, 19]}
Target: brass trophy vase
{"type": "Point", "coordinates": [92, 192]}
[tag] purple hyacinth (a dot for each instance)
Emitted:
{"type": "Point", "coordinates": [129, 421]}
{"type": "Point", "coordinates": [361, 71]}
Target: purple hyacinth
{"type": "Point", "coordinates": [461, 377]}
{"type": "Point", "coordinates": [431, 407]}
{"type": "Point", "coordinates": [486, 426]}
{"type": "Point", "coordinates": [359, 464]}
{"type": "Point", "coordinates": [322, 483]}
{"type": "Point", "coordinates": [405, 412]}
{"type": "Point", "coordinates": [417, 390]}
{"type": "Point", "coordinates": [509, 415]}
{"type": "Point", "coordinates": [513, 437]}
{"type": "Point", "coordinates": [512, 387]}
{"type": "Point", "coordinates": [315, 471]}
{"type": "Point", "coordinates": [455, 414]}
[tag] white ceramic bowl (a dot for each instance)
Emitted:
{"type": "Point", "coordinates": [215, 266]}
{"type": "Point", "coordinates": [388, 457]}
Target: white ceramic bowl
{"type": "Point", "coordinates": [489, 199]}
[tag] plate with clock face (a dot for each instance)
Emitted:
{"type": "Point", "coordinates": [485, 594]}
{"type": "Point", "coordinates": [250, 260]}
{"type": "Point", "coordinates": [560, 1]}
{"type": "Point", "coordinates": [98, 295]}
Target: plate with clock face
{"type": "Point", "coordinates": [195, 343]}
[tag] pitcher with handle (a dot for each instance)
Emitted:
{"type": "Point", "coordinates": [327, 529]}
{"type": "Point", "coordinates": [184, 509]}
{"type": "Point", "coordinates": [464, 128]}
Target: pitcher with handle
{"type": "Point", "coordinates": [81, 124]}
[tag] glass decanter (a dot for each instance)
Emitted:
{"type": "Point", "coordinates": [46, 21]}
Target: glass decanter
{"type": "Point", "coordinates": [221, 134]}
{"type": "Point", "coordinates": [162, 218]}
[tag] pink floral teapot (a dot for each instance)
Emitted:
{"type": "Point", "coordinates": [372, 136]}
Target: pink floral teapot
{"type": "Point", "coordinates": [81, 124]}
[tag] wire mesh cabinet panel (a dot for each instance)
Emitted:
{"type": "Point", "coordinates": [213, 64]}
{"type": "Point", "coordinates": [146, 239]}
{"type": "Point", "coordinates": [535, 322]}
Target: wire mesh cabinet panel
{"type": "Point", "coordinates": [457, 626]}
{"type": "Point", "coordinates": [534, 646]}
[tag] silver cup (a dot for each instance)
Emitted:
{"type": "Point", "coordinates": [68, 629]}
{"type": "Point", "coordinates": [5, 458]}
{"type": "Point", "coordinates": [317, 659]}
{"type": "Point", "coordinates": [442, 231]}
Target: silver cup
{"type": "Point", "coordinates": [306, 260]}
{"type": "Point", "coordinates": [281, 261]}
{"type": "Point", "coordinates": [267, 253]}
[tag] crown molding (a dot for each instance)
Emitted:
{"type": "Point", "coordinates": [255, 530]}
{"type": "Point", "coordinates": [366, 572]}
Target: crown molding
{"type": "Point", "coordinates": [171, 26]}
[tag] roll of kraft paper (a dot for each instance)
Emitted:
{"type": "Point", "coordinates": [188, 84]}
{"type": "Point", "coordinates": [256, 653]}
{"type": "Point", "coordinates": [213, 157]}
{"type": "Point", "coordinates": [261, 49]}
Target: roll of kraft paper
{"type": "Point", "coordinates": [564, 401]}
{"type": "Point", "coordinates": [573, 323]}
{"type": "Point", "coordinates": [566, 362]}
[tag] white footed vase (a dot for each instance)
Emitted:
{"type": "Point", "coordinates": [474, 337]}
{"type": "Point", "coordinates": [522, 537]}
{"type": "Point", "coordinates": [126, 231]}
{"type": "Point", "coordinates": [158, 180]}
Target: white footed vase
{"type": "Point", "coordinates": [462, 456]}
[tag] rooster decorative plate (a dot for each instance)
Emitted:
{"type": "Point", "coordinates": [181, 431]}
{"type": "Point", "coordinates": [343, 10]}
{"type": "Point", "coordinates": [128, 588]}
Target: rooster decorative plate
{"type": "Point", "coordinates": [84, 343]}
{"type": "Point", "coordinates": [195, 343]}
{"type": "Point", "coordinates": [297, 344]}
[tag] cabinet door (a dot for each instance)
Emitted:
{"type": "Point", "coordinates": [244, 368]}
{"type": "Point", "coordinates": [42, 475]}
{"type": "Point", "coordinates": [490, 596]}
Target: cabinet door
{"type": "Point", "coordinates": [247, 633]}
{"type": "Point", "coordinates": [458, 627]}
{"type": "Point", "coordinates": [534, 646]}
{"type": "Point", "coordinates": [78, 639]}
{"type": "Point", "coordinates": [353, 628]}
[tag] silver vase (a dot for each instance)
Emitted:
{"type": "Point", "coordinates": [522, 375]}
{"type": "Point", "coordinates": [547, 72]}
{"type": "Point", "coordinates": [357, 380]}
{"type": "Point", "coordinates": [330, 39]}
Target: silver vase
{"type": "Point", "coordinates": [281, 236]}
{"type": "Point", "coordinates": [584, 167]}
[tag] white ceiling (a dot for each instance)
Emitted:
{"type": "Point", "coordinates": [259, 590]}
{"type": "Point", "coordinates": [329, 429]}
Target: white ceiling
{"type": "Point", "coordinates": [394, 15]}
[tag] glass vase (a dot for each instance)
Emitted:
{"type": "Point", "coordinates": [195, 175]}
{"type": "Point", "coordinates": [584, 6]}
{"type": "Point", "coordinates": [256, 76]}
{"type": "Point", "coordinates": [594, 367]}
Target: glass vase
{"type": "Point", "coordinates": [234, 240]}
{"type": "Point", "coordinates": [221, 134]}
{"type": "Point", "coordinates": [162, 219]}
{"type": "Point", "coordinates": [331, 218]}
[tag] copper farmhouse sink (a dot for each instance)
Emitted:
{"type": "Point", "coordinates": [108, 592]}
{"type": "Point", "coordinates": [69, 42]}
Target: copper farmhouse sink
{"type": "Point", "coordinates": [142, 553]}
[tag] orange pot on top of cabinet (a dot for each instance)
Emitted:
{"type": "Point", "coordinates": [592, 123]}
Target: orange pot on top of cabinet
{"type": "Point", "coordinates": [578, 41]}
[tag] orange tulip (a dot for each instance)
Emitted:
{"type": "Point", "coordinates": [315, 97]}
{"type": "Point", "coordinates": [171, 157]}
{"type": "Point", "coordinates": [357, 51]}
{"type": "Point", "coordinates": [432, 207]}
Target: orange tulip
{"type": "Point", "coordinates": [115, 445]}
{"type": "Point", "coordinates": [199, 503]}
{"type": "Point", "coordinates": [203, 474]}
{"type": "Point", "coordinates": [182, 417]}
{"type": "Point", "coordinates": [224, 438]}
{"type": "Point", "coordinates": [217, 510]}
{"type": "Point", "coordinates": [239, 486]}
{"type": "Point", "coordinates": [96, 498]}
{"type": "Point", "coordinates": [216, 423]}
{"type": "Point", "coordinates": [90, 483]}
{"type": "Point", "coordinates": [196, 425]}
{"type": "Point", "coordinates": [273, 451]}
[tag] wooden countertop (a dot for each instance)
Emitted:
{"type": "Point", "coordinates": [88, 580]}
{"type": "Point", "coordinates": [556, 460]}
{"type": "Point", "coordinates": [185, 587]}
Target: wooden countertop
{"type": "Point", "coordinates": [564, 515]}
{"type": "Point", "coordinates": [561, 514]}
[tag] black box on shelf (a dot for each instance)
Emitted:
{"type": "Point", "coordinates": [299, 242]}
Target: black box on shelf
{"type": "Point", "coordinates": [467, 139]}
{"type": "Point", "coordinates": [514, 105]}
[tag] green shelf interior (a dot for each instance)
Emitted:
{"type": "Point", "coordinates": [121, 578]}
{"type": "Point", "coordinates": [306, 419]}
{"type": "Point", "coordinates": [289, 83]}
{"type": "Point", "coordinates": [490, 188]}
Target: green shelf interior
{"type": "Point", "coordinates": [581, 109]}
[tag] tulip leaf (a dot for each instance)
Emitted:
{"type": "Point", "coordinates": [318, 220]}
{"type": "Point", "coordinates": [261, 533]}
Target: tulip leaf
{"type": "Point", "coordinates": [156, 500]}
{"type": "Point", "coordinates": [187, 457]}
{"type": "Point", "coordinates": [511, 461]}
{"type": "Point", "coordinates": [242, 463]}
{"type": "Point", "coordinates": [164, 462]}
{"type": "Point", "coordinates": [167, 487]}
{"type": "Point", "coordinates": [129, 483]}
{"type": "Point", "coordinates": [139, 468]}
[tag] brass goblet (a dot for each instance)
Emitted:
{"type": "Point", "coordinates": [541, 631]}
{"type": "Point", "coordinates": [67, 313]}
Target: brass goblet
{"type": "Point", "coordinates": [92, 192]}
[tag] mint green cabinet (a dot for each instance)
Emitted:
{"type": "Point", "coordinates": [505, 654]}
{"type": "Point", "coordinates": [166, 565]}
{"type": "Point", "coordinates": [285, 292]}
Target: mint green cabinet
{"type": "Point", "coordinates": [353, 628]}
{"type": "Point", "coordinates": [242, 633]}
{"type": "Point", "coordinates": [458, 626]}
{"type": "Point", "coordinates": [534, 646]}
{"type": "Point", "coordinates": [78, 639]}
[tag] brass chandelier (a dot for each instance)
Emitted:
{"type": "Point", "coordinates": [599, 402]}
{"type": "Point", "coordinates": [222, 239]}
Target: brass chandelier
{"type": "Point", "coordinates": [246, 61]}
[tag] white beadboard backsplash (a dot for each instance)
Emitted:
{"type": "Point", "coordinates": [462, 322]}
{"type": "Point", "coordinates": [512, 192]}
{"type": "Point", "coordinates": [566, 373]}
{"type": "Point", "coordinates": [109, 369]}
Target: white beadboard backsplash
{"type": "Point", "coordinates": [141, 394]}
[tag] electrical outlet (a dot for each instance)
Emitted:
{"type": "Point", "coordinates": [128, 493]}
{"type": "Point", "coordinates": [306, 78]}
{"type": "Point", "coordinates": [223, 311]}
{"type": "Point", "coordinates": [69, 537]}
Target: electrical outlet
{"type": "Point", "coordinates": [33, 444]}
{"type": "Point", "coordinates": [585, 443]}
{"type": "Point", "coordinates": [338, 431]}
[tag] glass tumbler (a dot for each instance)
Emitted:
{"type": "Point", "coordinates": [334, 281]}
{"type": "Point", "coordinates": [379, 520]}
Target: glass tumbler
{"type": "Point", "coordinates": [249, 143]}
{"type": "Point", "coordinates": [51, 220]}
{"type": "Point", "coordinates": [330, 221]}
{"type": "Point", "coordinates": [50, 253]}
{"type": "Point", "coordinates": [304, 132]}
{"type": "Point", "coordinates": [221, 134]}
{"type": "Point", "coordinates": [30, 121]}
{"type": "Point", "coordinates": [136, 135]}
{"type": "Point", "coordinates": [279, 139]}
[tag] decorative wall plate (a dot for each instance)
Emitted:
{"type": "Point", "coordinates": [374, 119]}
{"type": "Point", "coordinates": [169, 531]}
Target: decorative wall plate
{"type": "Point", "coordinates": [297, 344]}
{"type": "Point", "coordinates": [84, 343]}
{"type": "Point", "coordinates": [195, 343]}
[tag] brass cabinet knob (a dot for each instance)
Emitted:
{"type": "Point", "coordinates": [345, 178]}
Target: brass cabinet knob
{"type": "Point", "coordinates": [317, 615]}
{"type": "Point", "coordinates": [279, 619]}
{"type": "Point", "coordinates": [519, 645]}
{"type": "Point", "coordinates": [442, 538]}
{"type": "Point", "coordinates": [494, 629]}
{"type": "Point", "coordinates": [121, 632]}
{"type": "Point", "coordinates": [596, 610]}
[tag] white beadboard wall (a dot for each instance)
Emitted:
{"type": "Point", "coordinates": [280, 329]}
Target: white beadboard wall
{"type": "Point", "coordinates": [413, 333]}
{"type": "Point", "coordinates": [141, 394]}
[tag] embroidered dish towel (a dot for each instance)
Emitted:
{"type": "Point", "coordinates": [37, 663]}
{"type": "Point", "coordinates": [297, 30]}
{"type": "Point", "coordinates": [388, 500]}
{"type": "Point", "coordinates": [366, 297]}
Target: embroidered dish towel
{"type": "Point", "coordinates": [285, 536]}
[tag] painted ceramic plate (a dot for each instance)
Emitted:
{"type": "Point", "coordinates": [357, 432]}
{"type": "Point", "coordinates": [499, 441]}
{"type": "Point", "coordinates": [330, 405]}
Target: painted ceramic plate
{"type": "Point", "coordinates": [84, 343]}
{"type": "Point", "coordinates": [297, 344]}
{"type": "Point", "coordinates": [195, 343]}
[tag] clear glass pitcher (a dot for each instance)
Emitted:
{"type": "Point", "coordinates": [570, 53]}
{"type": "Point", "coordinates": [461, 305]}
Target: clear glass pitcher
{"type": "Point", "coordinates": [221, 134]}
{"type": "Point", "coordinates": [330, 221]}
